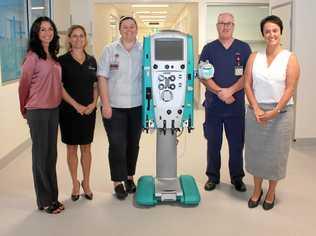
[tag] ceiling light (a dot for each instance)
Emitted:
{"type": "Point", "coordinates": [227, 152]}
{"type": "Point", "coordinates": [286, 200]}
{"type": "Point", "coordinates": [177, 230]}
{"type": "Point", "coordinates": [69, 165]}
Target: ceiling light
{"type": "Point", "coordinates": [143, 12]}
{"type": "Point", "coordinates": [149, 5]}
{"type": "Point", "coordinates": [154, 17]}
{"type": "Point", "coordinates": [38, 8]}
{"type": "Point", "coordinates": [159, 12]}
{"type": "Point", "coordinates": [153, 20]}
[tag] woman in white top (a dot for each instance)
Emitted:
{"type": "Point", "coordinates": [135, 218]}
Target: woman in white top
{"type": "Point", "coordinates": [119, 75]}
{"type": "Point", "coordinates": [270, 81]}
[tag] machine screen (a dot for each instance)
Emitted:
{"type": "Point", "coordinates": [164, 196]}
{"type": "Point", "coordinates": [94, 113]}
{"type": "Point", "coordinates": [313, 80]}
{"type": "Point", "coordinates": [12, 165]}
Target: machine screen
{"type": "Point", "coordinates": [169, 49]}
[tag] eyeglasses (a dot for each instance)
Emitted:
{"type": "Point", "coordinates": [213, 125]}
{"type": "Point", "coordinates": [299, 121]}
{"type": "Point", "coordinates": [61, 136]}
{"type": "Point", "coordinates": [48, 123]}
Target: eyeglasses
{"type": "Point", "coordinates": [227, 24]}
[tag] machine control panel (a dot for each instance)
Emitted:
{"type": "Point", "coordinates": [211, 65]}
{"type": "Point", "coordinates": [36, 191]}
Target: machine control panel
{"type": "Point", "coordinates": [168, 72]}
{"type": "Point", "coordinates": [168, 79]}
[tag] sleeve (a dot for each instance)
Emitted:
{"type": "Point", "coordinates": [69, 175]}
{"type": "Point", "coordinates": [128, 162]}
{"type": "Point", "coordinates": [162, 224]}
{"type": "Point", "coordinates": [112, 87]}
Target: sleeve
{"type": "Point", "coordinates": [62, 65]}
{"type": "Point", "coordinates": [205, 55]}
{"type": "Point", "coordinates": [27, 71]}
{"type": "Point", "coordinates": [95, 64]}
{"type": "Point", "coordinates": [104, 63]}
{"type": "Point", "coordinates": [247, 54]}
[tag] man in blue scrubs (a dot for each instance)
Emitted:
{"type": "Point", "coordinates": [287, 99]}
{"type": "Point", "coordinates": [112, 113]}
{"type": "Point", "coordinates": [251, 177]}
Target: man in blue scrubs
{"type": "Point", "coordinates": [225, 102]}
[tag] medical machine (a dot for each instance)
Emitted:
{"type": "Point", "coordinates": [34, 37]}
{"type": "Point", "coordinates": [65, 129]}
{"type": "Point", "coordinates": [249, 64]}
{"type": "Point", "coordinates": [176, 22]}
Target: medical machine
{"type": "Point", "coordinates": [168, 98]}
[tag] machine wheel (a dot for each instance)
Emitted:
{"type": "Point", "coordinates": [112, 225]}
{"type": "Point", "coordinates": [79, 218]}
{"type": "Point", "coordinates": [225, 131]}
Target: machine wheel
{"type": "Point", "coordinates": [145, 192]}
{"type": "Point", "coordinates": [191, 194]}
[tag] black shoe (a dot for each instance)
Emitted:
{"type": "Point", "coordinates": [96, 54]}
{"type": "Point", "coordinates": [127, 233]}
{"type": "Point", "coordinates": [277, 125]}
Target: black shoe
{"type": "Point", "coordinates": [130, 186]}
{"type": "Point", "coordinates": [52, 209]}
{"type": "Point", "coordinates": [239, 185]}
{"type": "Point", "coordinates": [87, 195]}
{"type": "Point", "coordinates": [120, 192]}
{"type": "Point", "coordinates": [59, 205]}
{"type": "Point", "coordinates": [252, 203]}
{"type": "Point", "coordinates": [75, 197]}
{"type": "Point", "coordinates": [268, 205]}
{"type": "Point", "coordinates": [210, 185]}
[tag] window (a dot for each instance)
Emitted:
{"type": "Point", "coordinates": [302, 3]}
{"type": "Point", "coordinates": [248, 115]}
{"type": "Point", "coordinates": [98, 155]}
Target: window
{"type": "Point", "coordinates": [247, 22]}
{"type": "Point", "coordinates": [38, 8]}
{"type": "Point", "coordinates": [16, 17]}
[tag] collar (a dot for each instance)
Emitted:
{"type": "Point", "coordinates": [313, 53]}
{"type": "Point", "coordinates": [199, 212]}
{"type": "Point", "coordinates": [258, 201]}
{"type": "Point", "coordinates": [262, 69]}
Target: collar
{"type": "Point", "coordinates": [119, 44]}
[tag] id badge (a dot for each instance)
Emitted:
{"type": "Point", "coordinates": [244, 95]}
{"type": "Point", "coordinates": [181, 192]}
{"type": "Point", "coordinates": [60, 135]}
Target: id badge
{"type": "Point", "coordinates": [239, 70]}
{"type": "Point", "coordinates": [114, 66]}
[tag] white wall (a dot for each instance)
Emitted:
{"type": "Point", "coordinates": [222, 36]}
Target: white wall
{"type": "Point", "coordinates": [187, 22]}
{"type": "Point", "coordinates": [304, 47]}
{"type": "Point", "coordinates": [203, 16]}
{"type": "Point", "coordinates": [81, 14]}
{"type": "Point", "coordinates": [203, 24]}
{"type": "Point", "coordinates": [14, 129]}
{"type": "Point", "coordinates": [101, 26]}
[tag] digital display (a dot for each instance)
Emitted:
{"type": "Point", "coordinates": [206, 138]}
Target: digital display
{"type": "Point", "coordinates": [169, 49]}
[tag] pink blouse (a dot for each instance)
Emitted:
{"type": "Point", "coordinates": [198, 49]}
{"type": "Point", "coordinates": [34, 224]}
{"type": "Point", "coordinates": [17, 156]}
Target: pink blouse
{"type": "Point", "coordinates": [40, 83]}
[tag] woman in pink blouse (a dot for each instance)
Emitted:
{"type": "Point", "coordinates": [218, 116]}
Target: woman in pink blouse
{"type": "Point", "coordinates": [40, 95]}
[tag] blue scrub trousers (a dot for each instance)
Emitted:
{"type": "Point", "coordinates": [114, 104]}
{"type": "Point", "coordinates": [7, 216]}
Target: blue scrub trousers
{"type": "Point", "coordinates": [235, 133]}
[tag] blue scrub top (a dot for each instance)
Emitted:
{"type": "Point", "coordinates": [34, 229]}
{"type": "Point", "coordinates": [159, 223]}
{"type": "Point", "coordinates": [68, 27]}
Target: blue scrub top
{"type": "Point", "coordinates": [224, 61]}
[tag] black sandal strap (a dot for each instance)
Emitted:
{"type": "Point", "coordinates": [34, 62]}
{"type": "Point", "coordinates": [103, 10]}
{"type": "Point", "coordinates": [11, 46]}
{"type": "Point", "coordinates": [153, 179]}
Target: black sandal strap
{"type": "Point", "coordinates": [52, 209]}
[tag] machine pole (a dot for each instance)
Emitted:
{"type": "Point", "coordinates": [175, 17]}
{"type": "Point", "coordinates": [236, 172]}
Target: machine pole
{"type": "Point", "coordinates": [166, 154]}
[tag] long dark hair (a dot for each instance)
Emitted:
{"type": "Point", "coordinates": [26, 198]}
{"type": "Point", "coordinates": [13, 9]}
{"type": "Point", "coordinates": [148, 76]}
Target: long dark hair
{"type": "Point", "coordinates": [35, 43]}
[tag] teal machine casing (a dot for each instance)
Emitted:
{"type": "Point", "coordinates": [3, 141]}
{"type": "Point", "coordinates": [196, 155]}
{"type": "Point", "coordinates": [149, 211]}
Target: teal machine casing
{"type": "Point", "coordinates": [148, 115]}
{"type": "Point", "coordinates": [168, 103]}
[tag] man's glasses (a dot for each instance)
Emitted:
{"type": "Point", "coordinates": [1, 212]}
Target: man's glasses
{"type": "Point", "coordinates": [227, 24]}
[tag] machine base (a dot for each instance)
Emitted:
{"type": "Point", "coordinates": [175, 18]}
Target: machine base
{"type": "Point", "coordinates": [145, 193]}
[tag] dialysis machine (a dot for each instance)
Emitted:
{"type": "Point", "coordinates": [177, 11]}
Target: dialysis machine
{"type": "Point", "coordinates": [168, 89]}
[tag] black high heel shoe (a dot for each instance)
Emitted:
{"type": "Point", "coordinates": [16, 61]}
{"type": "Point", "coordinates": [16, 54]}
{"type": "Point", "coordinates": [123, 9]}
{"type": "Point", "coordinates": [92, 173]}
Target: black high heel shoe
{"type": "Point", "coordinates": [75, 197]}
{"type": "Point", "coordinates": [268, 205]}
{"type": "Point", "coordinates": [89, 195]}
{"type": "Point", "coordinates": [252, 203]}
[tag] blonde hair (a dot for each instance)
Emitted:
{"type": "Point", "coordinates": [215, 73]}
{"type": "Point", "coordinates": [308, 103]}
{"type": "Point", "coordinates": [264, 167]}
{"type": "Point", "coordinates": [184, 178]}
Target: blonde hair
{"type": "Point", "coordinates": [69, 33]}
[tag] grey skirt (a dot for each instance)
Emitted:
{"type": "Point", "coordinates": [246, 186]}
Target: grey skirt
{"type": "Point", "coordinates": [267, 147]}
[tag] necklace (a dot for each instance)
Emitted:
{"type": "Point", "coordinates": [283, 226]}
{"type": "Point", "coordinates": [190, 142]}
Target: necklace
{"type": "Point", "coordinates": [79, 57]}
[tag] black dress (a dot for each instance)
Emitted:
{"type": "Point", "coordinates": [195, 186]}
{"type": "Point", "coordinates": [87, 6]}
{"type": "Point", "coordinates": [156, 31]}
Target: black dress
{"type": "Point", "coordinates": [78, 80]}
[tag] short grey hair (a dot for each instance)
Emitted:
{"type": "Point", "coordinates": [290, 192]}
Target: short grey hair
{"type": "Point", "coordinates": [225, 13]}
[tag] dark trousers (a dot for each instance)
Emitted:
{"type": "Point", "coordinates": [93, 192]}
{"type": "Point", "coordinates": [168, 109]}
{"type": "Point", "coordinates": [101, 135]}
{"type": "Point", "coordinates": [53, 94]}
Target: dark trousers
{"type": "Point", "coordinates": [123, 130]}
{"type": "Point", "coordinates": [43, 124]}
{"type": "Point", "coordinates": [235, 133]}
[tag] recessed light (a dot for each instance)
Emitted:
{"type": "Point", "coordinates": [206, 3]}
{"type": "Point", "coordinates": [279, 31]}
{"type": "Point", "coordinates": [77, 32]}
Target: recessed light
{"type": "Point", "coordinates": [143, 12]}
{"type": "Point", "coordinates": [38, 8]}
{"type": "Point", "coordinates": [150, 16]}
{"type": "Point", "coordinates": [149, 5]}
{"type": "Point", "coordinates": [159, 12]}
{"type": "Point", "coordinates": [153, 20]}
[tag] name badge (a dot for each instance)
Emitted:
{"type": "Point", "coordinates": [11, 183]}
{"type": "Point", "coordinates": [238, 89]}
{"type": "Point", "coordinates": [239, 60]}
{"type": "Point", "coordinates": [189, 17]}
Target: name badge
{"type": "Point", "coordinates": [114, 66]}
{"type": "Point", "coordinates": [239, 70]}
{"type": "Point", "coordinates": [92, 68]}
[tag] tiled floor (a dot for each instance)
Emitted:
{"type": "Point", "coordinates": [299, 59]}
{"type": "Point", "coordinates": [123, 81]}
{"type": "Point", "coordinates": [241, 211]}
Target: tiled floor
{"type": "Point", "coordinates": [221, 212]}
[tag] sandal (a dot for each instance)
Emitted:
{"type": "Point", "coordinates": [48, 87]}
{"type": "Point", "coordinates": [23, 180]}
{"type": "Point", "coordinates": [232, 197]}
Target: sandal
{"type": "Point", "coordinates": [52, 209]}
{"type": "Point", "coordinates": [59, 205]}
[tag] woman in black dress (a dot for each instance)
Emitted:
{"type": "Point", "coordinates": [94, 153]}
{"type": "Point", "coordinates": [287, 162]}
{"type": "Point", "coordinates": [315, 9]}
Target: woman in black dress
{"type": "Point", "coordinates": [77, 112]}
